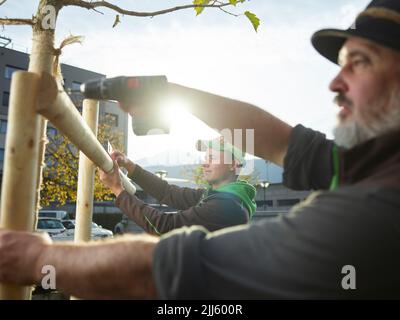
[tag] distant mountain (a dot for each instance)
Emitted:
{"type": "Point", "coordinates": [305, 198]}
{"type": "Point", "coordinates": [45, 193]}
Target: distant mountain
{"type": "Point", "coordinates": [173, 157]}
{"type": "Point", "coordinates": [177, 172]}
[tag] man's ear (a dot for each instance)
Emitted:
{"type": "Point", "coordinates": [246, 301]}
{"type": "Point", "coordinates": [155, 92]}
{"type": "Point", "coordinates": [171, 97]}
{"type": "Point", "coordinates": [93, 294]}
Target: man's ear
{"type": "Point", "coordinates": [235, 165]}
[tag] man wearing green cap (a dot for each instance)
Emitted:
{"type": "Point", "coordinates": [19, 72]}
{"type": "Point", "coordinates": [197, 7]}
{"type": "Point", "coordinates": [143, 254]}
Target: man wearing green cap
{"type": "Point", "coordinates": [343, 242]}
{"type": "Point", "coordinates": [226, 202]}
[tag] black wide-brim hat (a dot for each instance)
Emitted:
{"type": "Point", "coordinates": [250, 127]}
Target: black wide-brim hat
{"type": "Point", "coordinates": [379, 23]}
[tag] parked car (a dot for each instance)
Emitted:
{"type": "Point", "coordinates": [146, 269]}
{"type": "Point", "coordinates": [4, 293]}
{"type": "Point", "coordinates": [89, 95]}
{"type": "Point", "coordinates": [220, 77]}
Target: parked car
{"type": "Point", "coordinates": [53, 227]}
{"type": "Point", "coordinates": [127, 226]}
{"type": "Point", "coordinates": [98, 232]}
{"type": "Point", "coordinates": [58, 214]}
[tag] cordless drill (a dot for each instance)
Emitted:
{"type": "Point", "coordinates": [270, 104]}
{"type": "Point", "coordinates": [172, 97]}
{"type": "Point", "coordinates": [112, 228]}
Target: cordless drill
{"type": "Point", "coordinates": [143, 91]}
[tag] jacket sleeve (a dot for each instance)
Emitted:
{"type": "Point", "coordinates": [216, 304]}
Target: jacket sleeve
{"type": "Point", "coordinates": [308, 163]}
{"type": "Point", "coordinates": [299, 256]}
{"type": "Point", "coordinates": [174, 196]}
{"type": "Point", "coordinates": [214, 214]}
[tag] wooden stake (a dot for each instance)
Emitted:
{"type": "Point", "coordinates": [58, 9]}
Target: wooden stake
{"type": "Point", "coordinates": [20, 164]}
{"type": "Point", "coordinates": [85, 192]}
{"type": "Point", "coordinates": [63, 114]}
{"type": "Point", "coordinates": [84, 200]}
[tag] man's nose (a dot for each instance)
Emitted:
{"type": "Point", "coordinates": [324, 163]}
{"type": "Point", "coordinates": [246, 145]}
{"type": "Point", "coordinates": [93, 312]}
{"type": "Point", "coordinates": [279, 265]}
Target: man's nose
{"type": "Point", "coordinates": [338, 84]}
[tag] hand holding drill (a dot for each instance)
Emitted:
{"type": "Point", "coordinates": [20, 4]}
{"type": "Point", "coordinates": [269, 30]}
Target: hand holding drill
{"type": "Point", "coordinates": [144, 94]}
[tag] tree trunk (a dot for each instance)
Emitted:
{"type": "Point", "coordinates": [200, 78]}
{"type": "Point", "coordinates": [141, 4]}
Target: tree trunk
{"type": "Point", "coordinates": [42, 60]}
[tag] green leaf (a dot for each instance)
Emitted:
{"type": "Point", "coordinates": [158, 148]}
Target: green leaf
{"type": "Point", "coordinates": [233, 2]}
{"type": "Point", "coordinates": [200, 2]}
{"type": "Point", "coordinates": [253, 19]}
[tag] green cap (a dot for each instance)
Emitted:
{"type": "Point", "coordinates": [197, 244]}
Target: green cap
{"type": "Point", "coordinates": [219, 144]}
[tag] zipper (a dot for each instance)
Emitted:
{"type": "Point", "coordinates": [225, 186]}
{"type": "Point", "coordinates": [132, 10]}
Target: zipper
{"type": "Point", "coordinates": [335, 178]}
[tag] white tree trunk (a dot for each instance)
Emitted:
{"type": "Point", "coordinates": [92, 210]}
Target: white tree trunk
{"type": "Point", "coordinates": [41, 60]}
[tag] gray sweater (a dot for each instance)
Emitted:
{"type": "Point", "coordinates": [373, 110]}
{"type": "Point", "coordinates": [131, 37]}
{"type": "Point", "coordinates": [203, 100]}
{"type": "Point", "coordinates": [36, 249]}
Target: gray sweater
{"type": "Point", "coordinates": [303, 254]}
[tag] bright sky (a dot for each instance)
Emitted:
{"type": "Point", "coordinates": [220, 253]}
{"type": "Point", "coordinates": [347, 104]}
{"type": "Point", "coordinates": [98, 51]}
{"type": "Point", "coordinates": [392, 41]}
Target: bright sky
{"type": "Point", "coordinates": [276, 68]}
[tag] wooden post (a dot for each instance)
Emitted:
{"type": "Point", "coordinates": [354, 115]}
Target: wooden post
{"type": "Point", "coordinates": [18, 201]}
{"type": "Point", "coordinates": [63, 114]}
{"type": "Point", "coordinates": [84, 200]}
{"type": "Point", "coordinates": [85, 192]}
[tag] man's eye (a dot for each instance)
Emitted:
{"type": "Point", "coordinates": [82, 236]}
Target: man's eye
{"type": "Point", "coordinates": [360, 62]}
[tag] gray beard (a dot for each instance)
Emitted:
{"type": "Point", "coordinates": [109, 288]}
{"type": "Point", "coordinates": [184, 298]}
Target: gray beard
{"type": "Point", "coordinates": [351, 134]}
{"type": "Point", "coordinates": [348, 135]}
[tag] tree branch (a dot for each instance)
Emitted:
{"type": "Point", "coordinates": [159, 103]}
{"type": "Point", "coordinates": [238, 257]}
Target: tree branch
{"type": "Point", "coordinates": [96, 4]}
{"type": "Point", "coordinates": [2, 2]}
{"type": "Point", "coordinates": [226, 11]}
{"type": "Point", "coordinates": [7, 21]}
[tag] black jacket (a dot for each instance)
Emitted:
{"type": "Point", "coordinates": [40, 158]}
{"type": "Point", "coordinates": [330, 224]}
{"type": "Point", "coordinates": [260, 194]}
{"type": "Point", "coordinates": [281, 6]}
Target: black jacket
{"type": "Point", "coordinates": [309, 252]}
{"type": "Point", "coordinates": [215, 211]}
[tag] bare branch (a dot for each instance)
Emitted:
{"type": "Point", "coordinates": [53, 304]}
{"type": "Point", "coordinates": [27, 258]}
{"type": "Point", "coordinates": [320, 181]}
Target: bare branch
{"type": "Point", "coordinates": [226, 11]}
{"type": "Point", "coordinates": [96, 4]}
{"type": "Point", "coordinates": [98, 11]}
{"type": "Point", "coordinates": [7, 21]}
{"type": "Point", "coordinates": [2, 2]}
{"type": "Point", "coordinates": [216, 3]}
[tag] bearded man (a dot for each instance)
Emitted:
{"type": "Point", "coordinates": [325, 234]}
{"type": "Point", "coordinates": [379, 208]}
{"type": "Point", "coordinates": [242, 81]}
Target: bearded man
{"type": "Point", "coordinates": [342, 242]}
